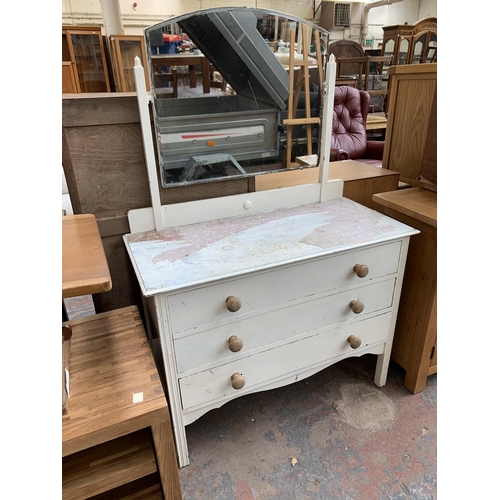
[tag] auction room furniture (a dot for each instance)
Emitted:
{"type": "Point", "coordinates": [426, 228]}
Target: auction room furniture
{"type": "Point", "coordinates": [349, 140]}
{"type": "Point", "coordinates": [83, 46]}
{"type": "Point", "coordinates": [84, 271]}
{"type": "Point", "coordinates": [413, 87]}
{"type": "Point", "coordinates": [229, 285]}
{"type": "Point", "coordinates": [124, 48]}
{"type": "Point", "coordinates": [345, 48]}
{"type": "Point", "coordinates": [104, 166]}
{"type": "Point", "coordinates": [411, 44]}
{"type": "Point", "coordinates": [375, 121]}
{"type": "Point", "coordinates": [118, 429]}
{"type": "Point", "coordinates": [84, 266]}
{"type": "Point", "coordinates": [361, 181]}
{"type": "Point", "coordinates": [191, 60]}
{"type": "Point", "coordinates": [415, 339]}
{"type": "Point", "coordinates": [69, 85]}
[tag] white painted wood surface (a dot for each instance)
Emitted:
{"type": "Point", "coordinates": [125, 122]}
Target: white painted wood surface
{"type": "Point", "coordinates": [199, 253]}
{"type": "Point", "coordinates": [293, 271]}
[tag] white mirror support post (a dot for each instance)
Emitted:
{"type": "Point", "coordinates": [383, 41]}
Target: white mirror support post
{"type": "Point", "coordinates": [326, 125]}
{"type": "Point", "coordinates": [147, 139]}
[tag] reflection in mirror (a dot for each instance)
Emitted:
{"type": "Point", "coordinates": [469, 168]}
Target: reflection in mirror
{"type": "Point", "coordinates": [220, 91]}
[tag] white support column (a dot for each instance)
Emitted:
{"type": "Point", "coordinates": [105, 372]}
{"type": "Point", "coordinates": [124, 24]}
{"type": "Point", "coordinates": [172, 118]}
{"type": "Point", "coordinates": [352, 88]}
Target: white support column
{"type": "Point", "coordinates": [326, 126]}
{"type": "Point", "coordinates": [111, 17]}
{"type": "Point", "coordinates": [147, 139]}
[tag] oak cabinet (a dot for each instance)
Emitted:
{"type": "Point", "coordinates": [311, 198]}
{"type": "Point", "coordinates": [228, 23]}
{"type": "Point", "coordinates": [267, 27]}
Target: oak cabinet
{"type": "Point", "coordinates": [411, 44]}
{"type": "Point", "coordinates": [83, 46]}
{"type": "Point", "coordinates": [124, 49]}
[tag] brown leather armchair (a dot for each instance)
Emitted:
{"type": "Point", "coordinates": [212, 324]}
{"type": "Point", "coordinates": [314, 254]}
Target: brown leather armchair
{"type": "Point", "coordinates": [349, 140]}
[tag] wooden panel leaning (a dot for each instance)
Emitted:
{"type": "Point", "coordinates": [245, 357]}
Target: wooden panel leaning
{"type": "Point", "coordinates": [411, 93]}
{"type": "Point", "coordinates": [117, 405]}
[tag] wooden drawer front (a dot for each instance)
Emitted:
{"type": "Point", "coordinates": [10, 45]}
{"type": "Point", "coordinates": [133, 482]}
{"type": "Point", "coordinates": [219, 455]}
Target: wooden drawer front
{"type": "Point", "coordinates": [268, 366]}
{"type": "Point", "coordinates": [266, 290]}
{"type": "Point", "coordinates": [210, 346]}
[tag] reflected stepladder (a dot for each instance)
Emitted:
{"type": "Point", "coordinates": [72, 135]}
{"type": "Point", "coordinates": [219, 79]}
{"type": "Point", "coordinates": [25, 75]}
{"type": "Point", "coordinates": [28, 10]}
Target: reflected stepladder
{"type": "Point", "coordinates": [231, 119]}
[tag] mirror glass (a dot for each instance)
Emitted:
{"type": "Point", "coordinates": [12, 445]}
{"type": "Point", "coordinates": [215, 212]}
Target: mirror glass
{"type": "Point", "coordinates": [220, 92]}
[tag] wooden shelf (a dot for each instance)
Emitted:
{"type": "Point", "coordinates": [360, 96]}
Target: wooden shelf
{"type": "Point", "coordinates": [146, 488]}
{"type": "Point", "coordinates": [118, 425]}
{"type": "Point", "coordinates": [109, 465]}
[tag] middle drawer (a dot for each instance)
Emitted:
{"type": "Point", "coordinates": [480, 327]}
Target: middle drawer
{"type": "Point", "coordinates": [211, 347]}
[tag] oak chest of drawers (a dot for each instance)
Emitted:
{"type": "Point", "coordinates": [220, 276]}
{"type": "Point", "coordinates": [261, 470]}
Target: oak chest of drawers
{"type": "Point", "coordinates": [249, 303]}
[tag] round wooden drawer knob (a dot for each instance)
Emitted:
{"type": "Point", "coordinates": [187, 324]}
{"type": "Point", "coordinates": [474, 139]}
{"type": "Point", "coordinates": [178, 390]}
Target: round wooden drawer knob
{"type": "Point", "coordinates": [361, 270]}
{"type": "Point", "coordinates": [354, 341]}
{"type": "Point", "coordinates": [233, 303]}
{"type": "Point", "coordinates": [237, 380]}
{"type": "Point", "coordinates": [356, 306]}
{"type": "Point", "coordinates": [235, 344]}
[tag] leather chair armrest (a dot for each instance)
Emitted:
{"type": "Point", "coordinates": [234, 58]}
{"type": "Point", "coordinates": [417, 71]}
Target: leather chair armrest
{"type": "Point", "coordinates": [338, 154]}
{"type": "Point", "coordinates": [374, 150]}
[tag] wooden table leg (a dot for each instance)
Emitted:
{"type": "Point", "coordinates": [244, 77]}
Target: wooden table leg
{"type": "Point", "coordinates": [167, 459]}
{"type": "Point", "coordinates": [205, 73]}
{"type": "Point", "coordinates": [192, 76]}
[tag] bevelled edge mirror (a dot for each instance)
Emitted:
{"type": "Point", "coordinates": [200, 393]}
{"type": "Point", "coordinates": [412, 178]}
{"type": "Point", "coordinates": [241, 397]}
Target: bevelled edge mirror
{"type": "Point", "coordinates": [221, 93]}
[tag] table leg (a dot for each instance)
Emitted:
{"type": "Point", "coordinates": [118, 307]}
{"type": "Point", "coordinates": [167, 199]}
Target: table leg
{"type": "Point", "coordinates": [192, 76]}
{"type": "Point", "coordinates": [166, 459]}
{"type": "Point", "coordinates": [205, 73]}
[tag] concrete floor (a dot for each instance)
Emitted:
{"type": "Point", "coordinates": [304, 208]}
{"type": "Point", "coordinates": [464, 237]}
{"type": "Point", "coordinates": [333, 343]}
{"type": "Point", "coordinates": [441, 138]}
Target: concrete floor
{"type": "Point", "coordinates": [350, 439]}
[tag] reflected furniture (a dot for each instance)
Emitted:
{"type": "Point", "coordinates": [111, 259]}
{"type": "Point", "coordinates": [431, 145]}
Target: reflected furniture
{"type": "Point", "coordinates": [411, 44]}
{"type": "Point", "coordinates": [118, 430]}
{"type": "Point", "coordinates": [349, 139]}
{"type": "Point", "coordinates": [367, 73]}
{"type": "Point", "coordinates": [413, 87]}
{"type": "Point", "coordinates": [124, 49]}
{"type": "Point", "coordinates": [83, 46]}
{"type": "Point", "coordinates": [415, 338]}
{"type": "Point", "coordinates": [376, 121]}
{"type": "Point", "coordinates": [159, 61]}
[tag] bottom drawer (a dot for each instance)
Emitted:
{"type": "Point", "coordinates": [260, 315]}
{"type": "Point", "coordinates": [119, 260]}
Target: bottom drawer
{"type": "Point", "coordinates": [294, 357]}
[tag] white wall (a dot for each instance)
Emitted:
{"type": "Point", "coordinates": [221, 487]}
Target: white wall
{"type": "Point", "coordinates": [148, 12]}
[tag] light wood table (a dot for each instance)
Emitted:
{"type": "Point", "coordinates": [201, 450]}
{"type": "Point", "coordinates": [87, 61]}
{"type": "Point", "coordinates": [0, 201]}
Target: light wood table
{"type": "Point", "coordinates": [376, 122]}
{"type": "Point", "coordinates": [189, 60]}
{"type": "Point", "coordinates": [361, 181]}
{"type": "Point", "coordinates": [415, 339]}
{"type": "Point", "coordinates": [84, 266]}
{"type": "Point", "coordinates": [117, 404]}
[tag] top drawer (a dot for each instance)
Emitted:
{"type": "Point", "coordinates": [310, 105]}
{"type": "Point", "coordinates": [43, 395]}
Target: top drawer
{"type": "Point", "coordinates": [207, 305]}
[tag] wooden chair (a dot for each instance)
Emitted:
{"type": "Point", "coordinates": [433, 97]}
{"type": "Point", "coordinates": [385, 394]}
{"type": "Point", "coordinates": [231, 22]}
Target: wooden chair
{"type": "Point", "coordinates": [171, 78]}
{"type": "Point", "coordinates": [217, 81]}
{"type": "Point", "coordinates": [354, 66]}
{"type": "Point", "coordinates": [378, 66]}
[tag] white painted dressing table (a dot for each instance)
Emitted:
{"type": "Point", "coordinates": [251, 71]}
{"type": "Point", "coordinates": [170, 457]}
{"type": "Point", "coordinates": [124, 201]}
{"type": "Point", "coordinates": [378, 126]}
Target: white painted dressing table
{"type": "Point", "coordinates": [249, 303]}
{"type": "Point", "coordinates": [256, 291]}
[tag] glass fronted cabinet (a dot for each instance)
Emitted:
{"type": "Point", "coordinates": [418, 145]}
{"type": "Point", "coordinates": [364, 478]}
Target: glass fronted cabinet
{"type": "Point", "coordinates": [83, 46]}
{"type": "Point", "coordinates": [411, 44]}
{"type": "Point", "coordinates": [124, 49]}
